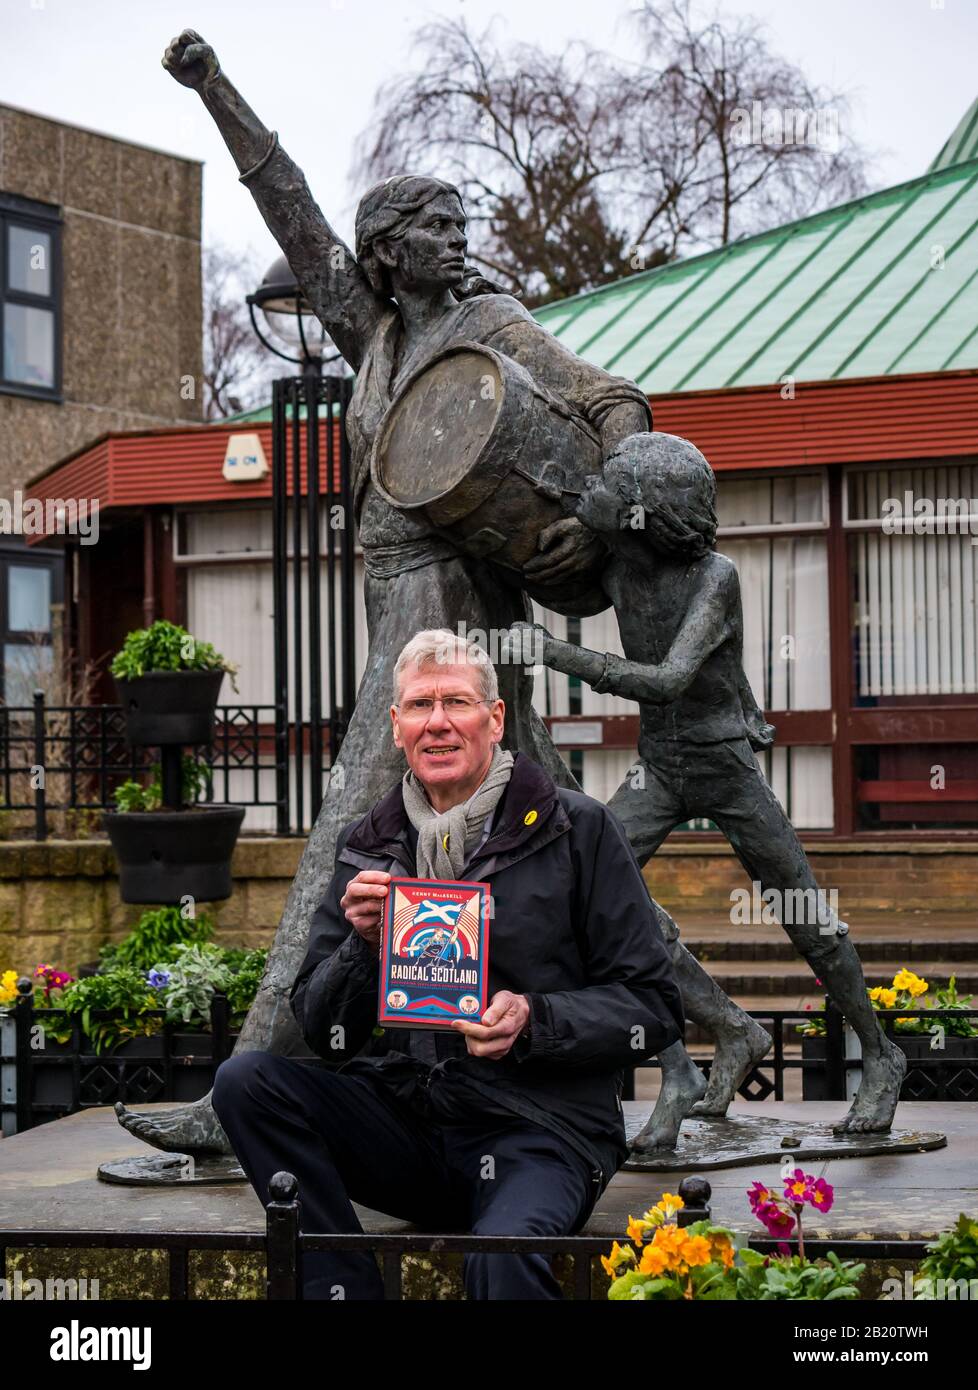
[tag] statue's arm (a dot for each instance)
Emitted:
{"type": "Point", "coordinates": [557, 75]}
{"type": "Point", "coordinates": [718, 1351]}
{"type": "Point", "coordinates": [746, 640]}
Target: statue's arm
{"type": "Point", "coordinates": [707, 624]}
{"type": "Point", "coordinates": [325, 267]}
{"type": "Point", "coordinates": [614, 406]}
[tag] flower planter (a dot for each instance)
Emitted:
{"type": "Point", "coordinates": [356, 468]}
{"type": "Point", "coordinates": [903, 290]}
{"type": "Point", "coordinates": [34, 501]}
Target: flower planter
{"type": "Point", "coordinates": [164, 855]}
{"type": "Point", "coordinates": [814, 1085]}
{"type": "Point", "coordinates": [192, 1074]}
{"type": "Point", "coordinates": [170, 707]}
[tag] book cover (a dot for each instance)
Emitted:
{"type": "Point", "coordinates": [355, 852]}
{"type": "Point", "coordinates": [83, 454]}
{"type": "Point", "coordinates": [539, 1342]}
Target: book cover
{"type": "Point", "coordinates": [434, 963]}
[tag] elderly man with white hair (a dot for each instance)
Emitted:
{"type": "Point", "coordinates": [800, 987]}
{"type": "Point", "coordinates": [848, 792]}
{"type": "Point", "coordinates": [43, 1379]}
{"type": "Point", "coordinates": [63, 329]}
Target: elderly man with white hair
{"type": "Point", "coordinates": [509, 1125]}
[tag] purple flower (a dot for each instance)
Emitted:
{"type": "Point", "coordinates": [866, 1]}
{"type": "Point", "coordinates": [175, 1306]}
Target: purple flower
{"type": "Point", "coordinates": [158, 979]}
{"type": "Point", "coordinates": [778, 1221]}
{"type": "Point", "coordinates": [821, 1195]}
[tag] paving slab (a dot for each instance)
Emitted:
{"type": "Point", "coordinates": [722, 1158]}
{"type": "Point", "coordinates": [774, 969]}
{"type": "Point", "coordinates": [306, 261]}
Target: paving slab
{"type": "Point", "coordinates": [48, 1182]}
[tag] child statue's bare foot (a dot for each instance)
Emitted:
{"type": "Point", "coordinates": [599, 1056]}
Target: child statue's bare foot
{"type": "Point", "coordinates": [682, 1084]}
{"type": "Point", "coordinates": [185, 1129]}
{"type": "Point", "coordinates": [737, 1052]}
{"type": "Point", "coordinates": [873, 1109]}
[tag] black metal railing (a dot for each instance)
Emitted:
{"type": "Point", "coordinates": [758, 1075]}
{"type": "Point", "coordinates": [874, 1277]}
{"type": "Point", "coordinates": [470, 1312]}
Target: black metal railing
{"type": "Point", "coordinates": [59, 762]}
{"type": "Point", "coordinates": [312, 480]}
{"type": "Point", "coordinates": [43, 1080]}
{"type": "Point", "coordinates": [87, 1078]}
{"type": "Point", "coordinates": [935, 1072]}
{"type": "Point", "coordinates": [283, 1244]}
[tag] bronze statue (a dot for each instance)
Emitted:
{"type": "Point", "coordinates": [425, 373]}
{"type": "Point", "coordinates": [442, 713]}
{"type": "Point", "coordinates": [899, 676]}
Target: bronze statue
{"type": "Point", "coordinates": [681, 624]}
{"type": "Point", "coordinates": [404, 297]}
{"type": "Point", "coordinates": [422, 330]}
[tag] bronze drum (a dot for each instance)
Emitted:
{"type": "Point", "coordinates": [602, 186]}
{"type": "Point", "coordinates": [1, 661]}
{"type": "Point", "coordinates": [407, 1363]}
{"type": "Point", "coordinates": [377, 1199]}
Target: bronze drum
{"type": "Point", "coordinates": [489, 455]}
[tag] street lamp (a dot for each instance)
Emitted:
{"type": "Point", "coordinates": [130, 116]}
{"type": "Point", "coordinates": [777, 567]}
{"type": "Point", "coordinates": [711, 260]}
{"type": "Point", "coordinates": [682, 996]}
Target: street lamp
{"type": "Point", "coordinates": [290, 321]}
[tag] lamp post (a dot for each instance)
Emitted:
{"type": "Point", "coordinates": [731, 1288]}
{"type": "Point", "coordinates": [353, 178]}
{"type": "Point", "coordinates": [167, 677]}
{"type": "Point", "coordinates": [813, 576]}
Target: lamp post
{"type": "Point", "coordinates": [286, 326]}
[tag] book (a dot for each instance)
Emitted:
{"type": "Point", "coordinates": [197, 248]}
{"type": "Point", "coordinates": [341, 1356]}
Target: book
{"type": "Point", "coordinates": [434, 963]}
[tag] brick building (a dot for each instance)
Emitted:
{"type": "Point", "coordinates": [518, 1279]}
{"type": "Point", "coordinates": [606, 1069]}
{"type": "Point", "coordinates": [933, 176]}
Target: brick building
{"type": "Point", "coordinates": [100, 324]}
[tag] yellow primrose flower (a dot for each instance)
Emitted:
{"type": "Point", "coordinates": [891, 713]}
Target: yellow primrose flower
{"type": "Point", "coordinates": [638, 1230]}
{"type": "Point", "coordinates": [724, 1251]}
{"type": "Point", "coordinates": [886, 997]}
{"type": "Point", "coordinates": [654, 1260]}
{"type": "Point", "coordinates": [671, 1240]}
{"type": "Point", "coordinates": [669, 1203]}
{"type": "Point", "coordinates": [618, 1256]}
{"type": "Point", "coordinates": [906, 979]}
{"type": "Point", "coordinates": [919, 987]}
{"type": "Point", "coordinates": [696, 1251]}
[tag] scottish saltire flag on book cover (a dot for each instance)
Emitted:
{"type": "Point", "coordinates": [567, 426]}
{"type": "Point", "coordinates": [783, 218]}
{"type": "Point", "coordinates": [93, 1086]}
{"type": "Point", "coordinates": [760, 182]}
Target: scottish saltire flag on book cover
{"type": "Point", "coordinates": [434, 963]}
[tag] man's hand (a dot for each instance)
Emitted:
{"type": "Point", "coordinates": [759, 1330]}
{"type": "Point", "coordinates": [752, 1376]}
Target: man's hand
{"type": "Point", "coordinates": [190, 60]}
{"type": "Point", "coordinates": [502, 1023]}
{"type": "Point", "coordinates": [568, 548]}
{"type": "Point", "coordinates": [363, 904]}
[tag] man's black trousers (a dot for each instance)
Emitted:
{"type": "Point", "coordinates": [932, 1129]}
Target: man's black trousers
{"type": "Point", "coordinates": [347, 1139]}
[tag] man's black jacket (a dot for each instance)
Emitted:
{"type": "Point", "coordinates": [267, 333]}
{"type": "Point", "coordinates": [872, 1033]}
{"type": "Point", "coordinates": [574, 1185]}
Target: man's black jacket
{"type": "Point", "coordinates": [572, 928]}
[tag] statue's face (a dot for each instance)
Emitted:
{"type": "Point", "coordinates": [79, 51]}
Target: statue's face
{"type": "Point", "coordinates": [600, 506]}
{"type": "Point", "coordinates": [431, 253]}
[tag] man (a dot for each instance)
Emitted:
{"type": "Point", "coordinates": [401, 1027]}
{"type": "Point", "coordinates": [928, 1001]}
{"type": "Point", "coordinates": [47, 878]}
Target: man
{"type": "Point", "coordinates": [509, 1125]}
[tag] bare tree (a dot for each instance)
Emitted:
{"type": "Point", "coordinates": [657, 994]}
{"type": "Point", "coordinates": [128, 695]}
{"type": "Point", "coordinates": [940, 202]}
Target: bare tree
{"type": "Point", "coordinates": [237, 369]}
{"type": "Point", "coordinates": [579, 168]}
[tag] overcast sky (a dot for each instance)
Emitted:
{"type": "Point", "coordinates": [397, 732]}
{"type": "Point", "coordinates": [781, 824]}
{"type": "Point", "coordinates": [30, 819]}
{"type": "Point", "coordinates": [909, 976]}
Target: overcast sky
{"type": "Point", "coordinates": [310, 69]}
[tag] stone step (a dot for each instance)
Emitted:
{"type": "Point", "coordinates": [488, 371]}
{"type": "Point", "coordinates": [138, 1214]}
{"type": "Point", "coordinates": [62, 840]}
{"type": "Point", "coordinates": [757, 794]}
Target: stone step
{"type": "Point", "coordinates": [902, 938]}
{"type": "Point", "coordinates": [793, 977]}
{"type": "Point", "coordinates": [893, 953]}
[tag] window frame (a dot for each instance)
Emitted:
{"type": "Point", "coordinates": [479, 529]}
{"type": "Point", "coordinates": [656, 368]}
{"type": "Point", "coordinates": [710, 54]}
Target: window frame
{"type": "Point", "coordinates": [776, 528]}
{"type": "Point", "coordinates": [35, 559]}
{"type": "Point", "coordinates": [41, 217]}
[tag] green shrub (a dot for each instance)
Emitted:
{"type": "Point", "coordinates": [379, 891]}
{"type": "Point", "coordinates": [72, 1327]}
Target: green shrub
{"type": "Point", "coordinates": [167, 647]}
{"type": "Point", "coordinates": [953, 1256]}
{"type": "Point", "coordinates": [156, 937]}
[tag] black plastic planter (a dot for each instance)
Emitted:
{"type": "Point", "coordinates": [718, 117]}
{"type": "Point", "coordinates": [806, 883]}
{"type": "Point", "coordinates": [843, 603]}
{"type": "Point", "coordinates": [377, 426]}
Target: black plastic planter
{"type": "Point", "coordinates": [956, 1054]}
{"type": "Point", "coordinates": [170, 707]}
{"type": "Point", "coordinates": [167, 855]}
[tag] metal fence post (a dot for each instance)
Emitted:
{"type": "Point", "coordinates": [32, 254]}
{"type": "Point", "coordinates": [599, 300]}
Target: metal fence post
{"type": "Point", "coordinates": [23, 1019]}
{"type": "Point", "coordinates": [220, 1042]}
{"type": "Point", "coordinates": [40, 808]}
{"type": "Point", "coordinates": [696, 1194]}
{"type": "Point", "coordinates": [282, 1238]}
{"type": "Point", "coordinates": [835, 1052]}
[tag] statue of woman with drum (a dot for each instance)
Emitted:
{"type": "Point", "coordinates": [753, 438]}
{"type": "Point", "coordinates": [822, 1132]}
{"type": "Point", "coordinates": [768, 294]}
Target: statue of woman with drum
{"type": "Point", "coordinates": [406, 299]}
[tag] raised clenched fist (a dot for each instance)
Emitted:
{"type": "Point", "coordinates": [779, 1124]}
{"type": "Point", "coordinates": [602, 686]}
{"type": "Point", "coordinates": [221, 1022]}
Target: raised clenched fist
{"type": "Point", "coordinates": [190, 60]}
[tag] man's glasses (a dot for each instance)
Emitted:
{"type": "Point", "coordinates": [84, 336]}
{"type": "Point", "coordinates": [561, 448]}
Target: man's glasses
{"type": "Point", "coordinates": [455, 706]}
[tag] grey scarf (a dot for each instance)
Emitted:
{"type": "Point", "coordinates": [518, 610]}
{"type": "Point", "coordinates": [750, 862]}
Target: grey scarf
{"type": "Point", "coordinates": [446, 839]}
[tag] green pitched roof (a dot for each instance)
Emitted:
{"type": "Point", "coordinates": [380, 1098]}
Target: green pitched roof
{"type": "Point", "coordinates": [962, 144]}
{"type": "Point", "coordinates": [850, 292]}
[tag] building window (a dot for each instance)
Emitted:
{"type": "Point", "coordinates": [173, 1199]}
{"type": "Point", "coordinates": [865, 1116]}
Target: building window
{"type": "Point", "coordinates": [914, 563]}
{"type": "Point", "coordinates": [30, 297]}
{"type": "Point", "coordinates": [774, 529]}
{"type": "Point", "coordinates": [28, 587]}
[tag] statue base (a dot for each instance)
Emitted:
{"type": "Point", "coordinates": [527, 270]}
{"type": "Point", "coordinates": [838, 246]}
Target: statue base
{"type": "Point", "coordinates": [172, 1170]}
{"type": "Point", "coordinates": [737, 1140]}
